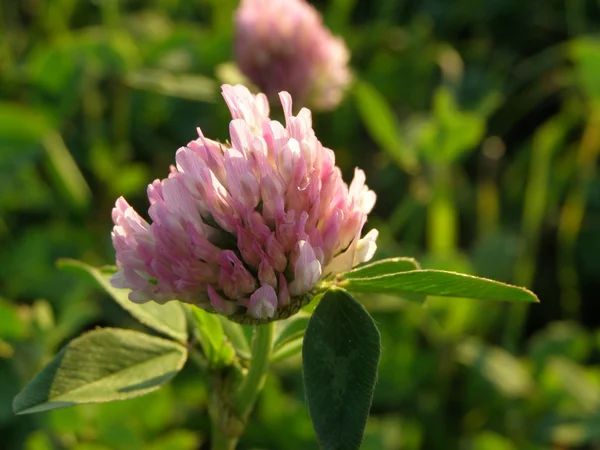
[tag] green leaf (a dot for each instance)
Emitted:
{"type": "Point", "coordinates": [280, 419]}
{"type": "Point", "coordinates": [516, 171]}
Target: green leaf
{"type": "Point", "coordinates": [439, 282]}
{"type": "Point", "coordinates": [585, 53]}
{"type": "Point", "coordinates": [450, 132]}
{"type": "Point", "coordinates": [65, 172]}
{"type": "Point", "coordinates": [290, 330]}
{"type": "Point", "coordinates": [216, 347]}
{"type": "Point", "coordinates": [102, 366]}
{"type": "Point", "coordinates": [381, 123]}
{"type": "Point", "coordinates": [12, 325]}
{"type": "Point", "coordinates": [488, 440]}
{"type": "Point", "coordinates": [24, 132]}
{"type": "Point", "coordinates": [577, 381]}
{"type": "Point", "coordinates": [168, 319]}
{"type": "Point", "coordinates": [288, 336]}
{"type": "Point", "coordinates": [383, 267]}
{"type": "Point", "coordinates": [340, 357]}
{"type": "Point", "coordinates": [187, 86]}
{"type": "Point", "coordinates": [235, 333]}
{"type": "Point", "coordinates": [287, 350]}
{"type": "Point", "coordinates": [505, 372]}
{"type": "Point", "coordinates": [176, 440]}
{"type": "Point", "coordinates": [21, 124]}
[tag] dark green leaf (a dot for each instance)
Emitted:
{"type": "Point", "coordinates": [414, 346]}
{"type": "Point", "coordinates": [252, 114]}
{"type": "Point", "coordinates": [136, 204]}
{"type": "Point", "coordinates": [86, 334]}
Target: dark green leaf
{"type": "Point", "coordinates": [442, 283]}
{"type": "Point", "coordinates": [340, 358]}
{"type": "Point", "coordinates": [102, 366]}
{"type": "Point", "coordinates": [168, 319]}
{"type": "Point", "coordinates": [384, 267]}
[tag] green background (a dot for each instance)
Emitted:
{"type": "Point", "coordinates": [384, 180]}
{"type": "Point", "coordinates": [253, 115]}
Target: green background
{"type": "Point", "coordinates": [478, 125]}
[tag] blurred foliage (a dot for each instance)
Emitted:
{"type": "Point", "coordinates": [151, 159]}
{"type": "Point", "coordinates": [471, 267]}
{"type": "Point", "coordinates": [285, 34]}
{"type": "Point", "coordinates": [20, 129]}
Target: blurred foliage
{"type": "Point", "coordinates": [478, 126]}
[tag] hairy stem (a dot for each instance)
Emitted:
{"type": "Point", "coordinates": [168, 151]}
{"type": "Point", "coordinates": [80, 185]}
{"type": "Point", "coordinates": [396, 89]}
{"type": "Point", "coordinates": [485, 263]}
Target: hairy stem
{"type": "Point", "coordinates": [262, 346]}
{"type": "Point", "coordinates": [233, 394]}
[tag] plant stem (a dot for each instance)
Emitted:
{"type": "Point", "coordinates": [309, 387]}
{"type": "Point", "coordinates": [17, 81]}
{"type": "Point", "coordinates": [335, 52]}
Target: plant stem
{"type": "Point", "coordinates": [442, 243]}
{"type": "Point", "coordinates": [573, 213]}
{"type": "Point", "coordinates": [442, 220]}
{"type": "Point", "coordinates": [219, 441]}
{"type": "Point", "coordinates": [547, 140]}
{"type": "Point", "coordinates": [233, 395]}
{"type": "Point", "coordinates": [262, 346]}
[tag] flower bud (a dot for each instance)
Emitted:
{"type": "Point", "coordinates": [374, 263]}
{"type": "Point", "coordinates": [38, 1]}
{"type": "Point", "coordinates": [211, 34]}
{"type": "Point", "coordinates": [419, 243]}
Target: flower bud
{"type": "Point", "coordinates": [282, 45]}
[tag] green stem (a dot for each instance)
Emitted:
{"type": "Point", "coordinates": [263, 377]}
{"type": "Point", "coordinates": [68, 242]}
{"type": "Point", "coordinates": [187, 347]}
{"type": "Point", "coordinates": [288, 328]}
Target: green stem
{"type": "Point", "coordinates": [262, 346]}
{"type": "Point", "coordinates": [547, 140]}
{"type": "Point", "coordinates": [233, 395]}
{"type": "Point", "coordinates": [442, 217]}
{"type": "Point", "coordinates": [442, 242]}
{"type": "Point", "coordinates": [573, 213]}
{"type": "Point", "coordinates": [220, 441]}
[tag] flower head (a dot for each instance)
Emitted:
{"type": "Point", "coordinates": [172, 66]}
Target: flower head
{"type": "Point", "coordinates": [245, 229]}
{"type": "Point", "coordinates": [282, 45]}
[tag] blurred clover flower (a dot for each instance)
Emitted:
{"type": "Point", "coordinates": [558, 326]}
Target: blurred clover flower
{"type": "Point", "coordinates": [246, 229]}
{"type": "Point", "coordinates": [282, 45]}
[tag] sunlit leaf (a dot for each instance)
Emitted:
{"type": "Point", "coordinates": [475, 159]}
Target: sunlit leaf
{"type": "Point", "coordinates": [217, 349]}
{"type": "Point", "coordinates": [101, 366]}
{"type": "Point", "coordinates": [383, 267]}
{"type": "Point", "coordinates": [235, 333]}
{"type": "Point", "coordinates": [441, 283]}
{"type": "Point", "coordinates": [168, 319]}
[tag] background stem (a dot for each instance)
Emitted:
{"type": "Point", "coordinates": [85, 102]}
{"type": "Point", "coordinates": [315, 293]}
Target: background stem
{"type": "Point", "coordinates": [546, 142]}
{"type": "Point", "coordinates": [442, 220]}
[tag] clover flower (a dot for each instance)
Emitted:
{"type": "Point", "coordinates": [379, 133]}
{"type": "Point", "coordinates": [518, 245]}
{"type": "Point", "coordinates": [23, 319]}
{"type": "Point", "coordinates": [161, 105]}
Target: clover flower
{"type": "Point", "coordinates": [245, 229]}
{"type": "Point", "coordinates": [282, 45]}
